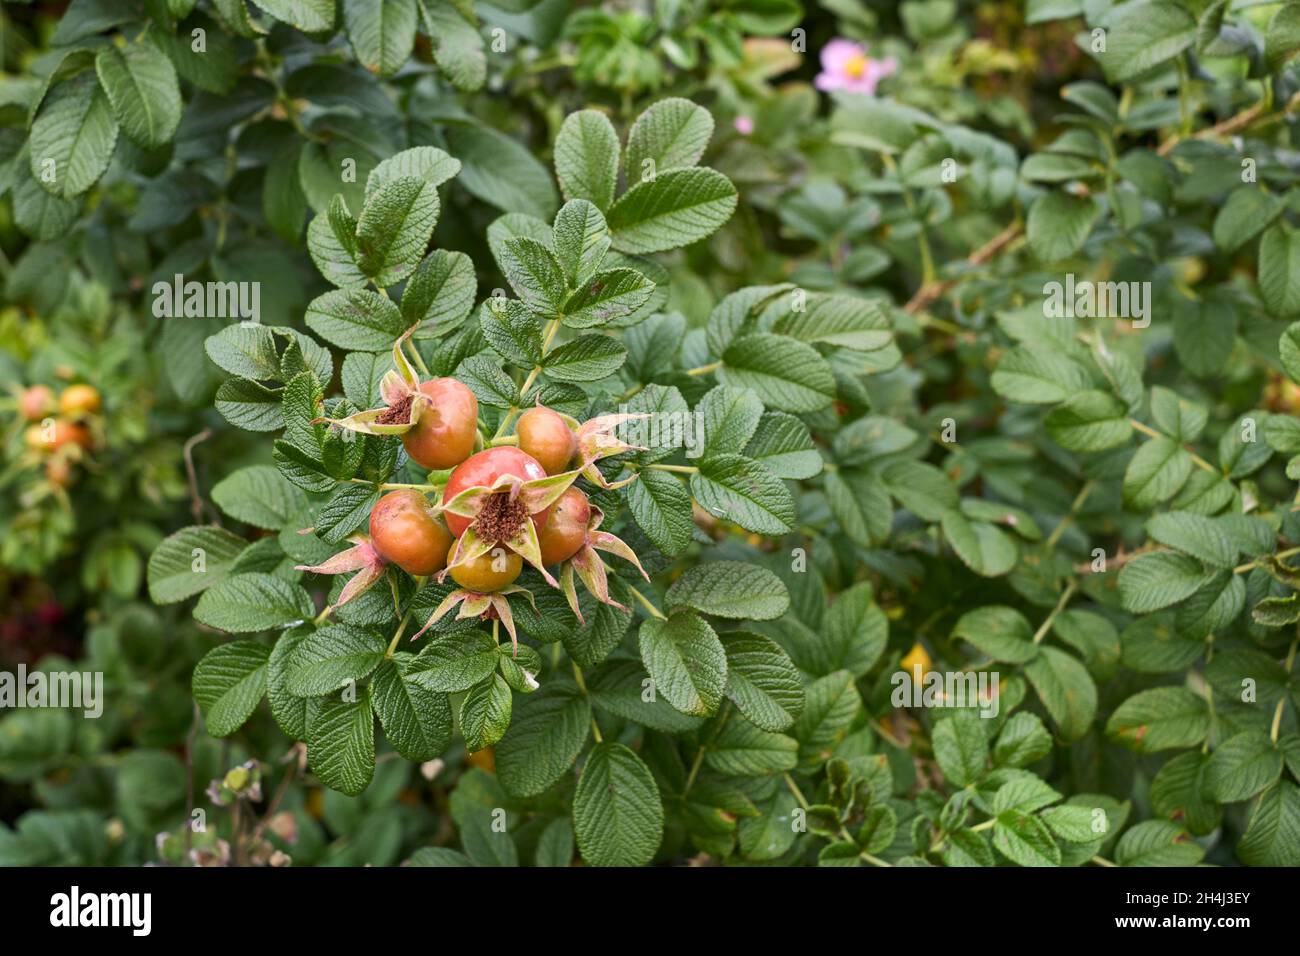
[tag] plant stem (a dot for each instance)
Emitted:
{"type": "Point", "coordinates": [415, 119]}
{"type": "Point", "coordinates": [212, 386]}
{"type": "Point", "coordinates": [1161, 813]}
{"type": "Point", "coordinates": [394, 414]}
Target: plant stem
{"type": "Point", "coordinates": [646, 603]}
{"type": "Point", "coordinates": [1197, 460]}
{"type": "Point", "coordinates": [1250, 566]}
{"type": "Point", "coordinates": [551, 330]}
{"type": "Point", "coordinates": [1066, 521]}
{"type": "Point", "coordinates": [680, 469]}
{"type": "Point", "coordinates": [703, 369]}
{"type": "Point", "coordinates": [1281, 704]}
{"type": "Point", "coordinates": [1060, 606]}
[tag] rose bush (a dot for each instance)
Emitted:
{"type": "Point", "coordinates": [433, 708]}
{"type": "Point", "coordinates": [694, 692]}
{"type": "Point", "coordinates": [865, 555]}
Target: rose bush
{"type": "Point", "coordinates": [604, 411]}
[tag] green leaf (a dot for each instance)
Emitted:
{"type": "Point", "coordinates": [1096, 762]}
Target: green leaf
{"type": "Point", "coordinates": [290, 712]}
{"type": "Point", "coordinates": [394, 228]}
{"type": "Point", "coordinates": [1089, 421]}
{"type": "Point", "coordinates": [853, 634]}
{"type": "Point", "coordinates": [581, 240]}
{"type": "Point", "coordinates": [546, 735]}
{"type": "Point", "coordinates": [382, 32]}
{"type": "Point", "coordinates": [1158, 579]}
{"type": "Point", "coordinates": [788, 375]}
{"type": "Point", "coordinates": [674, 209]}
{"type": "Point", "coordinates": [782, 444]}
{"type": "Point", "coordinates": [830, 706]}
{"type": "Point", "coordinates": [485, 713]}
{"type": "Point", "coordinates": [587, 358]}
{"type": "Point", "coordinates": [742, 491]}
{"type": "Point", "coordinates": [1066, 690]}
{"type": "Point", "coordinates": [512, 329]}
{"type": "Point", "coordinates": [331, 658]}
{"type": "Point", "coordinates": [860, 503]}
{"type": "Point", "coordinates": [190, 561]}
{"type": "Point", "coordinates": [459, 50]}
{"type": "Point", "coordinates": [982, 547]}
{"type": "Point", "coordinates": [617, 815]}
{"type": "Point", "coordinates": [762, 681]}
{"type": "Point", "coordinates": [960, 748]}
{"type": "Point", "coordinates": [228, 684]}
{"type": "Point", "coordinates": [1155, 473]}
{"type": "Point", "coordinates": [355, 320]}
{"type": "Point", "coordinates": [416, 720]}
{"type": "Point", "coordinates": [1039, 375]}
{"type": "Point", "coordinates": [429, 163]}
{"type": "Point", "coordinates": [622, 688]}
{"type": "Point", "coordinates": [253, 602]}
{"type": "Point", "coordinates": [742, 750]}
{"type": "Point", "coordinates": [1144, 34]}
{"type": "Point", "coordinates": [1279, 269]}
{"type": "Point", "coordinates": [1272, 837]}
{"type": "Point", "coordinates": [671, 134]}
{"type": "Point", "coordinates": [730, 589]}
{"type": "Point", "coordinates": [141, 84]}
{"type": "Point", "coordinates": [310, 16]}
{"type": "Point", "coordinates": [341, 742]}
{"type": "Point", "coordinates": [1024, 839]}
{"type": "Point", "coordinates": [842, 320]}
{"type": "Point", "coordinates": [1157, 843]}
{"type": "Point", "coordinates": [75, 133]}
{"type": "Point", "coordinates": [535, 275]}
{"type": "Point", "coordinates": [453, 661]}
{"type": "Point", "coordinates": [607, 296]}
{"type": "Point", "coordinates": [1023, 741]}
{"type": "Point", "coordinates": [661, 507]}
{"type": "Point", "coordinates": [586, 158]}
{"type": "Point", "coordinates": [440, 293]}
{"type": "Point", "coordinates": [1242, 766]}
{"type": "Point", "coordinates": [1001, 633]}
{"type": "Point", "coordinates": [1162, 718]}
{"type": "Point", "coordinates": [686, 661]}
{"type": "Point", "coordinates": [1058, 224]}
{"type": "Point", "coordinates": [259, 495]}
{"type": "Point", "coordinates": [1195, 535]}
{"type": "Point", "coordinates": [501, 171]}
{"type": "Point", "coordinates": [1248, 210]}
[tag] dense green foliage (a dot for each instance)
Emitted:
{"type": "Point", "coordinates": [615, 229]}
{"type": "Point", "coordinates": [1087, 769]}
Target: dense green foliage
{"type": "Point", "coordinates": [907, 453]}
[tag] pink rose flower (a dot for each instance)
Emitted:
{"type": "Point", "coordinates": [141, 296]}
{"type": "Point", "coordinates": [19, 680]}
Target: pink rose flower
{"type": "Point", "coordinates": [846, 66]}
{"type": "Point", "coordinates": [744, 125]}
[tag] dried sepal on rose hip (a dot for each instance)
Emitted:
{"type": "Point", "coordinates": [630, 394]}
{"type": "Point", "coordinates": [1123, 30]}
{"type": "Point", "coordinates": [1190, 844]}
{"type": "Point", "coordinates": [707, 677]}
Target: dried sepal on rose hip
{"type": "Point", "coordinates": [487, 605]}
{"type": "Point", "coordinates": [500, 497]}
{"type": "Point", "coordinates": [573, 536]}
{"type": "Point", "coordinates": [361, 557]}
{"type": "Point", "coordinates": [596, 440]}
{"type": "Point", "coordinates": [437, 419]}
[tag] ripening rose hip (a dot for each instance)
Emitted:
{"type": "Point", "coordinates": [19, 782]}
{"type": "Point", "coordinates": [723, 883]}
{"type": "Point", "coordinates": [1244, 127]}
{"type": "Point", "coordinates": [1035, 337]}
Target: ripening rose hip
{"type": "Point", "coordinates": [79, 400]}
{"type": "Point", "coordinates": [547, 437]}
{"type": "Point", "coordinates": [406, 532]}
{"type": "Point", "coordinates": [36, 402]}
{"type": "Point", "coordinates": [488, 572]}
{"type": "Point", "coordinates": [567, 529]}
{"type": "Point", "coordinates": [65, 432]}
{"type": "Point", "coordinates": [444, 435]}
{"type": "Point", "coordinates": [486, 467]}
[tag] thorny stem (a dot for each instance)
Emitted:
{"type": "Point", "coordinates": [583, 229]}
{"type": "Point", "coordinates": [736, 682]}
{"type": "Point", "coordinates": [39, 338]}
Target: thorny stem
{"type": "Point", "coordinates": [1281, 704]}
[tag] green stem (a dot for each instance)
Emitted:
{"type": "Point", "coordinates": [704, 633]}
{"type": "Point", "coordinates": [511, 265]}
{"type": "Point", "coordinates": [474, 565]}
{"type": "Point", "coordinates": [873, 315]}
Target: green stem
{"type": "Point", "coordinates": [1075, 507]}
{"type": "Point", "coordinates": [1060, 606]}
{"type": "Point", "coordinates": [680, 469]}
{"type": "Point", "coordinates": [1281, 704]}
{"type": "Point", "coordinates": [646, 603]}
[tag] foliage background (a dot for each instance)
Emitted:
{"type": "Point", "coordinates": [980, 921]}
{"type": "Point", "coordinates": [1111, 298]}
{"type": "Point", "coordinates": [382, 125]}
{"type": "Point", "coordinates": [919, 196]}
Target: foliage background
{"type": "Point", "coordinates": [1122, 689]}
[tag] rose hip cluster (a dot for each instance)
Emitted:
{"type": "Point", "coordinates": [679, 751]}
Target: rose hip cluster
{"type": "Point", "coordinates": [501, 507]}
{"type": "Point", "coordinates": [62, 427]}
